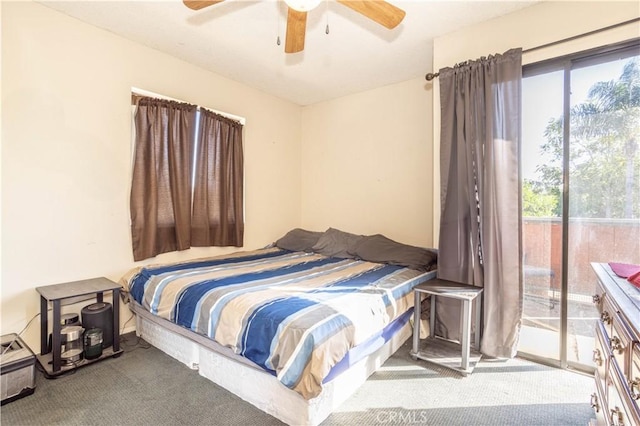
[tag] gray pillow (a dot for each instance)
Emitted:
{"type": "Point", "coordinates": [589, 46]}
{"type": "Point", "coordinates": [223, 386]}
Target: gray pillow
{"type": "Point", "coordinates": [336, 243]}
{"type": "Point", "coordinates": [378, 248]}
{"type": "Point", "coordinates": [298, 240]}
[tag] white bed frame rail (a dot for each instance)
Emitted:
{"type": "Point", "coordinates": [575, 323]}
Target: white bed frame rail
{"type": "Point", "coordinates": [254, 385]}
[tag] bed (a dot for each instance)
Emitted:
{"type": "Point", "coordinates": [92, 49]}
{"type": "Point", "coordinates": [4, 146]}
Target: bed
{"type": "Point", "coordinates": [294, 328]}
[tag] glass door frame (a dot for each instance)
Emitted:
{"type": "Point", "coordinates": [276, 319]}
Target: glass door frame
{"type": "Point", "coordinates": [567, 64]}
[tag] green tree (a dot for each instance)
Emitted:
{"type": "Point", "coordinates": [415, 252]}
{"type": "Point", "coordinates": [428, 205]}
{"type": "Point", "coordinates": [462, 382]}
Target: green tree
{"type": "Point", "coordinates": [604, 161]}
{"type": "Point", "coordinates": [537, 201]}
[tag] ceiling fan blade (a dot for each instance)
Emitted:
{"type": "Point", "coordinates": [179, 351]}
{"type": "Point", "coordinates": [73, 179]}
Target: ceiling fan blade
{"type": "Point", "coordinates": [296, 28]}
{"type": "Point", "coordinates": [379, 11]}
{"type": "Point", "coordinates": [200, 4]}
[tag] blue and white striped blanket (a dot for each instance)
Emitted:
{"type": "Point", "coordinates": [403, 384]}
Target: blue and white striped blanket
{"type": "Point", "coordinates": [295, 314]}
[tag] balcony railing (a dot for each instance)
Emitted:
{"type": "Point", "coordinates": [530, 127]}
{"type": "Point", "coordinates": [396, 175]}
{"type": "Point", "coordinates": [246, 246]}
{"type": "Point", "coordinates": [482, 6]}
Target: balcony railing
{"type": "Point", "coordinates": [589, 240]}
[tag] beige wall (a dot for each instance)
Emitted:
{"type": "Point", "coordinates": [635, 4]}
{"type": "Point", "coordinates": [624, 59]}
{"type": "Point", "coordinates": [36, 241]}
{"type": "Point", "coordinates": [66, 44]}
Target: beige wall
{"type": "Point", "coordinates": [66, 153]}
{"type": "Point", "coordinates": [534, 26]}
{"type": "Point", "coordinates": [366, 163]}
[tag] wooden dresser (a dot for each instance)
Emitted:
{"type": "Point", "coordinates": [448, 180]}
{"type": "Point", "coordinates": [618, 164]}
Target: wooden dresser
{"type": "Point", "coordinates": [617, 350]}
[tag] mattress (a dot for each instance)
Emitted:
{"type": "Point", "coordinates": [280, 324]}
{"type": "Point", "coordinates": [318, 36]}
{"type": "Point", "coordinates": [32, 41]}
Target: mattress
{"type": "Point", "coordinates": [294, 315]}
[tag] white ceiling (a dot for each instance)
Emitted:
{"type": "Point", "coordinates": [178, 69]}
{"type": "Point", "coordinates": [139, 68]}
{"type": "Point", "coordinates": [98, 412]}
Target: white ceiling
{"type": "Point", "coordinates": [237, 39]}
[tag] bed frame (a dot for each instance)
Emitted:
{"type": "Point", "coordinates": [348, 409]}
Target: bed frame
{"type": "Point", "coordinates": [259, 388]}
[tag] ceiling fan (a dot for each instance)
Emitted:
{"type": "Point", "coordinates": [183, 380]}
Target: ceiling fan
{"type": "Point", "coordinates": [379, 11]}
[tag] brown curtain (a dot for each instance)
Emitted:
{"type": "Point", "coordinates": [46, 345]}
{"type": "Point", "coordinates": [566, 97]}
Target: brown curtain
{"type": "Point", "coordinates": [217, 217]}
{"type": "Point", "coordinates": [161, 186]}
{"type": "Point", "coordinates": [480, 194]}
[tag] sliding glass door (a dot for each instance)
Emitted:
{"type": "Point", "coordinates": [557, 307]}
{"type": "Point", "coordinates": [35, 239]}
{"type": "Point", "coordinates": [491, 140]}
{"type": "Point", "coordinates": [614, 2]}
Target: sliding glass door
{"type": "Point", "coordinates": [542, 217]}
{"type": "Point", "coordinates": [581, 193]}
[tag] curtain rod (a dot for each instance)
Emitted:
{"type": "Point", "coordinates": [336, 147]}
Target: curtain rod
{"type": "Point", "coordinates": [430, 76]}
{"type": "Point", "coordinates": [142, 92]}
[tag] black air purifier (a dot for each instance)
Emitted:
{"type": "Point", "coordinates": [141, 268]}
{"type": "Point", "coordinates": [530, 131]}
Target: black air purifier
{"type": "Point", "coordinates": [99, 315]}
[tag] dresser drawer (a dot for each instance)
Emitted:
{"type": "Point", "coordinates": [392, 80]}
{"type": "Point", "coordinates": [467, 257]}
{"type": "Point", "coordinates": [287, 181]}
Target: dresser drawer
{"type": "Point", "coordinates": [633, 379]}
{"type": "Point", "coordinates": [621, 343]}
{"type": "Point", "coordinates": [598, 401]}
{"type": "Point", "coordinates": [622, 409]}
{"type": "Point", "coordinates": [601, 354]}
{"type": "Point", "coordinates": [599, 296]}
{"type": "Point", "coordinates": [607, 314]}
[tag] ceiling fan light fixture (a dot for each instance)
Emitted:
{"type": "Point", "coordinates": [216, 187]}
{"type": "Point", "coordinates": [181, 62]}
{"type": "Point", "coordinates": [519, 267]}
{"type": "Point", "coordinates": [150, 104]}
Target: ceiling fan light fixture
{"type": "Point", "coordinates": [302, 5]}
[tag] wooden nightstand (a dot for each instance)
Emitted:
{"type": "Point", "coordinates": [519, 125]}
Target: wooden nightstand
{"type": "Point", "coordinates": [456, 356]}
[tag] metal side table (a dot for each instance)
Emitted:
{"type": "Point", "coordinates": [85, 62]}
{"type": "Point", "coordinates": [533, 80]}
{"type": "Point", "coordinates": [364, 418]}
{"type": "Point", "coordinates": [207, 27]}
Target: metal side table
{"type": "Point", "coordinates": [50, 360]}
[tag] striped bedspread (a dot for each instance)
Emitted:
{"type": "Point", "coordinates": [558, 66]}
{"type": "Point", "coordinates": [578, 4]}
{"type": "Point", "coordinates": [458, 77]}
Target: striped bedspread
{"type": "Point", "coordinates": [295, 314]}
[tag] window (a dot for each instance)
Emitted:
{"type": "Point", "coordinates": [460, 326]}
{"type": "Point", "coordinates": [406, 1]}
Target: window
{"type": "Point", "coordinates": [187, 184]}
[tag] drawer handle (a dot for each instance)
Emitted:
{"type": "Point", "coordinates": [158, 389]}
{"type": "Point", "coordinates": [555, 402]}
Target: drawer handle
{"type": "Point", "coordinates": [605, 317]}
{"type": "Point", "coordinates": [617, 412]}
{"type": "Point", "coordinates": [594, 402]}
{"type": "Point", "coordinates": [616, 345]}
{"type": "Point", "coordinates": [634, 386]}
{"type": "Point", "coordinates": [597, 358]}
